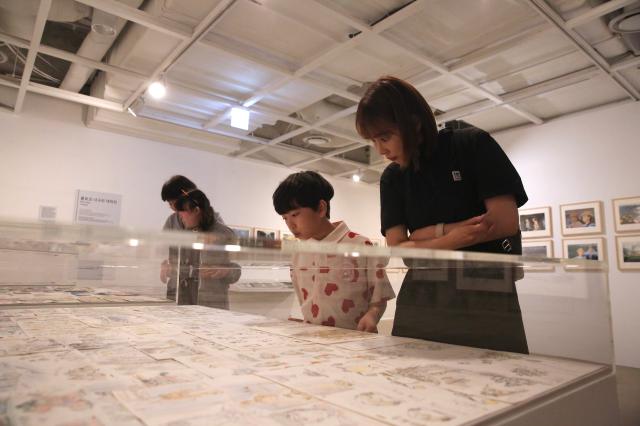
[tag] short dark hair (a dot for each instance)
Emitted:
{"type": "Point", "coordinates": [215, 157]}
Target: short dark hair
{"type": "Point", "coordinates": [303, 189]}
{"type": "Point", "coordinates": [175, 187]}
{"type": "Point", "coordinates": [390, 101]}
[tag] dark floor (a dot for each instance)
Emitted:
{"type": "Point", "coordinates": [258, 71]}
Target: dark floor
{"type": "Point", "coordinates": [629, 395]}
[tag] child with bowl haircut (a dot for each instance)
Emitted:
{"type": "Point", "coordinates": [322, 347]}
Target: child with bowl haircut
{"type": "Point", "coordinates": [345, 292]}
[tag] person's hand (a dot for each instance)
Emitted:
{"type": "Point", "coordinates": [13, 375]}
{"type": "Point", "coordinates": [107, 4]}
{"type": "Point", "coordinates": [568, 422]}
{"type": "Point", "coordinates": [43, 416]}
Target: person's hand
{"type": "Point", "coordinates": [368, 322]}
{"type": "Point", "coordinates": [165, 270]}
{"type": "Point", "coordinates": [473, 221]}
{"type": "Point", "coordinates": [468, 235]}
{"type": "Point", "coordinates": [214, 273]}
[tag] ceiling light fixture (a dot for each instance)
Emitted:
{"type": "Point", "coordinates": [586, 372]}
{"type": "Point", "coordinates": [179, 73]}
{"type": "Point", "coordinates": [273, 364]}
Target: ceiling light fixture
{"type": "Point", "coordinates": [357, 176]}
{"type": "Point", "coordinates": [240, 118]}
{"type": "Point", "coordinates": [157, 89]}
{"type": "Point", "coordinates": [317, 140]}
{"type": "Point", "coordinates": [103, 23]}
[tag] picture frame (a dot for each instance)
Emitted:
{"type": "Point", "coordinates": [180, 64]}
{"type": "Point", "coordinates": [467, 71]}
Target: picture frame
{"type": "Point", "coordinates": [583, 248]}
{"type": "Point", "coordinates": [582, 218]}
{"type": "Point", "coordinates": [266, 233]}
{"type": "Point", "coordinates": [242, 232]}
{"type": "Point", "coordinates": [542, 249]}
{"type": "Point", "coordinates": [628, 251]}
{"type": "Point", "coordinates": [535, 223]}
{"type": "Point", "coordinates": [626, 213]}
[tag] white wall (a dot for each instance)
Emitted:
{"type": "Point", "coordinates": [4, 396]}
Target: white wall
{"type": "Point", "coordinates": [46, 154]}
{"type": "Point", "coordinates": [587, 157]}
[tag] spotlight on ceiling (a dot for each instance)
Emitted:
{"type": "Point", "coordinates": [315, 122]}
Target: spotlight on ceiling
{"type": "Point", "coordinates": [240, 118]}
{"type": "Point", "coordinates": [356, 177]}
{"type": "Point", "coordinates": [157, 90]}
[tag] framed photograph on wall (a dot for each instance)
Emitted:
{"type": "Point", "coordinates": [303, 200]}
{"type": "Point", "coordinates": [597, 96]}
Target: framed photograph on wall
{"type": "Point", "coordinates": [543, 248]}
{"type": "Point", "coordinates": [535, 223]}
{"type": "Point", "coordinates": [266, 234]}
{"type": "Point", "coordinates": [538, 249]}
{"type": "Point", "coordinates": [628, 248]}
{"type": "Point", "coordinates": [587, 249]}
{"type": "Point", "coordinates": [626, 213]}
{"type": "Point", "coordinates": [242, 231]}
{"type": "Point", "coordinates": [582, 218]}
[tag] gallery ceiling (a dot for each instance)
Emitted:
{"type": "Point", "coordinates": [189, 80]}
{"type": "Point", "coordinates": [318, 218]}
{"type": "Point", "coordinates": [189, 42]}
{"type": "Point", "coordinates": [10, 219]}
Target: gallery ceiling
{"type": "Point", "coordinates": [300, 66]}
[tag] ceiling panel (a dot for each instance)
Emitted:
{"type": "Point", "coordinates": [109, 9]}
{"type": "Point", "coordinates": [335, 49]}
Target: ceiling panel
{"type": "Point", "coordinates": [449, 29]}
{"type": "Point", "coordinates": [273, 32]}
{"type": "Point", "coordinates": [371, 59]}
{"type": "Point", "coordinates": [521, 78]}
{"type": "Point", "coordinates": [496, 119]}
{"type": "Point", "coordinates": [574, 98]}
{"type": "Point", "coordinates": [221, 72]}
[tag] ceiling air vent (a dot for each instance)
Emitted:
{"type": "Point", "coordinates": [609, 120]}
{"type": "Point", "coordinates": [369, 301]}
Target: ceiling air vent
{"type": "Point", "coordinates": [627, 25]}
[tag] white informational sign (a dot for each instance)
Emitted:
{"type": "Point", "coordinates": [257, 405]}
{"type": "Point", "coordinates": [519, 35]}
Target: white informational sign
{"type": "Point", "coordinates": [98, 208]}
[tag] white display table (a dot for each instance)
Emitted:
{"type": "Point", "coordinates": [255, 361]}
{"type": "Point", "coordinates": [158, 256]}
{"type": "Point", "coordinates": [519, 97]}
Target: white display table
{"type": "Point", "coordinates": [193, 365]}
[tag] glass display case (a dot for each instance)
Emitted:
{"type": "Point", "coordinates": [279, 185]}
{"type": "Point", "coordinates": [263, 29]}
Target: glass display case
{"type": "Point", "coordinates": [103, 325]}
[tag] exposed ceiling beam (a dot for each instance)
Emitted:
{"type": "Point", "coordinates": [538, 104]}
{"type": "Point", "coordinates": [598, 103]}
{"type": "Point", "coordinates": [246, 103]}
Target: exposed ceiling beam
{"type": "Point", "coordinates": [138, 16]}
{"type": "Point", "coordinates": [597, 12]}
{"type": "Point", "coordinates": [278, 69]}
{"type": "Point", "coordinates": [322, 58]}
{"type": "Point", "coordinates": [200, 31]}
{"type": "Point", "coordinates": [74, 97]}
{"type": "Point", "coordinates": [36, 38]}
{"type": "Point", "coordinates": [630, 61]}
{"type": "Point", "coordinates": [296, 132]}
{"type": "Point", "coordinates": [62, 94]}
{"type": "Point", "coordinates": [543, 8]}
{"type": "Point", "coordinates": [324, 156]}
{"type": "Point", "coordinates": [71, 57]}
{"type": "Point", "coordinates": [522, 94]}
{"type": "Point", "coordinates": [420, 57]}
{"type": "Point", "coordinates": [491, 51]}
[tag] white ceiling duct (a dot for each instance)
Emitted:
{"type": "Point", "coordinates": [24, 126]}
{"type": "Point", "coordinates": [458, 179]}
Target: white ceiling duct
{"type": "Point", "coordinates": [105, 29]}
{"type": "Point", "coordinates": [627, 24]}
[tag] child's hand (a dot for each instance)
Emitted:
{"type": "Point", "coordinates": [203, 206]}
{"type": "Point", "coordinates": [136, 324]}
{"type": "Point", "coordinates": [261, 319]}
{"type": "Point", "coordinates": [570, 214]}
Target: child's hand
{"type": "Point", "coordinates": [368, 323]}
{"type": "Point", "coordinates": [214, 273]}
{"type": "Point", "coordinates": [165, 270]}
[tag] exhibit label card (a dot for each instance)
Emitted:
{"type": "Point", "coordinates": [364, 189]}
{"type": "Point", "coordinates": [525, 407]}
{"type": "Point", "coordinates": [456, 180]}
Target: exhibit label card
{"type": "Point", "coordinates": [98, 208]}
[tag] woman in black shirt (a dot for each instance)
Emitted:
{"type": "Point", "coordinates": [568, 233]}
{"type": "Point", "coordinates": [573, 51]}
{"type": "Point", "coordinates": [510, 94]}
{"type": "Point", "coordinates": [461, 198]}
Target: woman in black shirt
{"type": "Point", "coordinates": [453, 190]}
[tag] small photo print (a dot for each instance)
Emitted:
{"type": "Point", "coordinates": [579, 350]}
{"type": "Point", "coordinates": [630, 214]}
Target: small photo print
{"type": "Point", "coordinates": [628, 248]}
{"type": "Point", "coordinates": [582, 218]}
{"type": "Point", "coordinates": [538, 250]}
{"type": "Point", "coordinates": [583, 249]}
{"type": "Point", "coordinates": [266, 234]}
{"type": "Point", "coordinates": [242, 232]}
{"type": "Point", "coordinates": [627, 214]}
{"type": "Point", "coordinates": [535, 223]}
